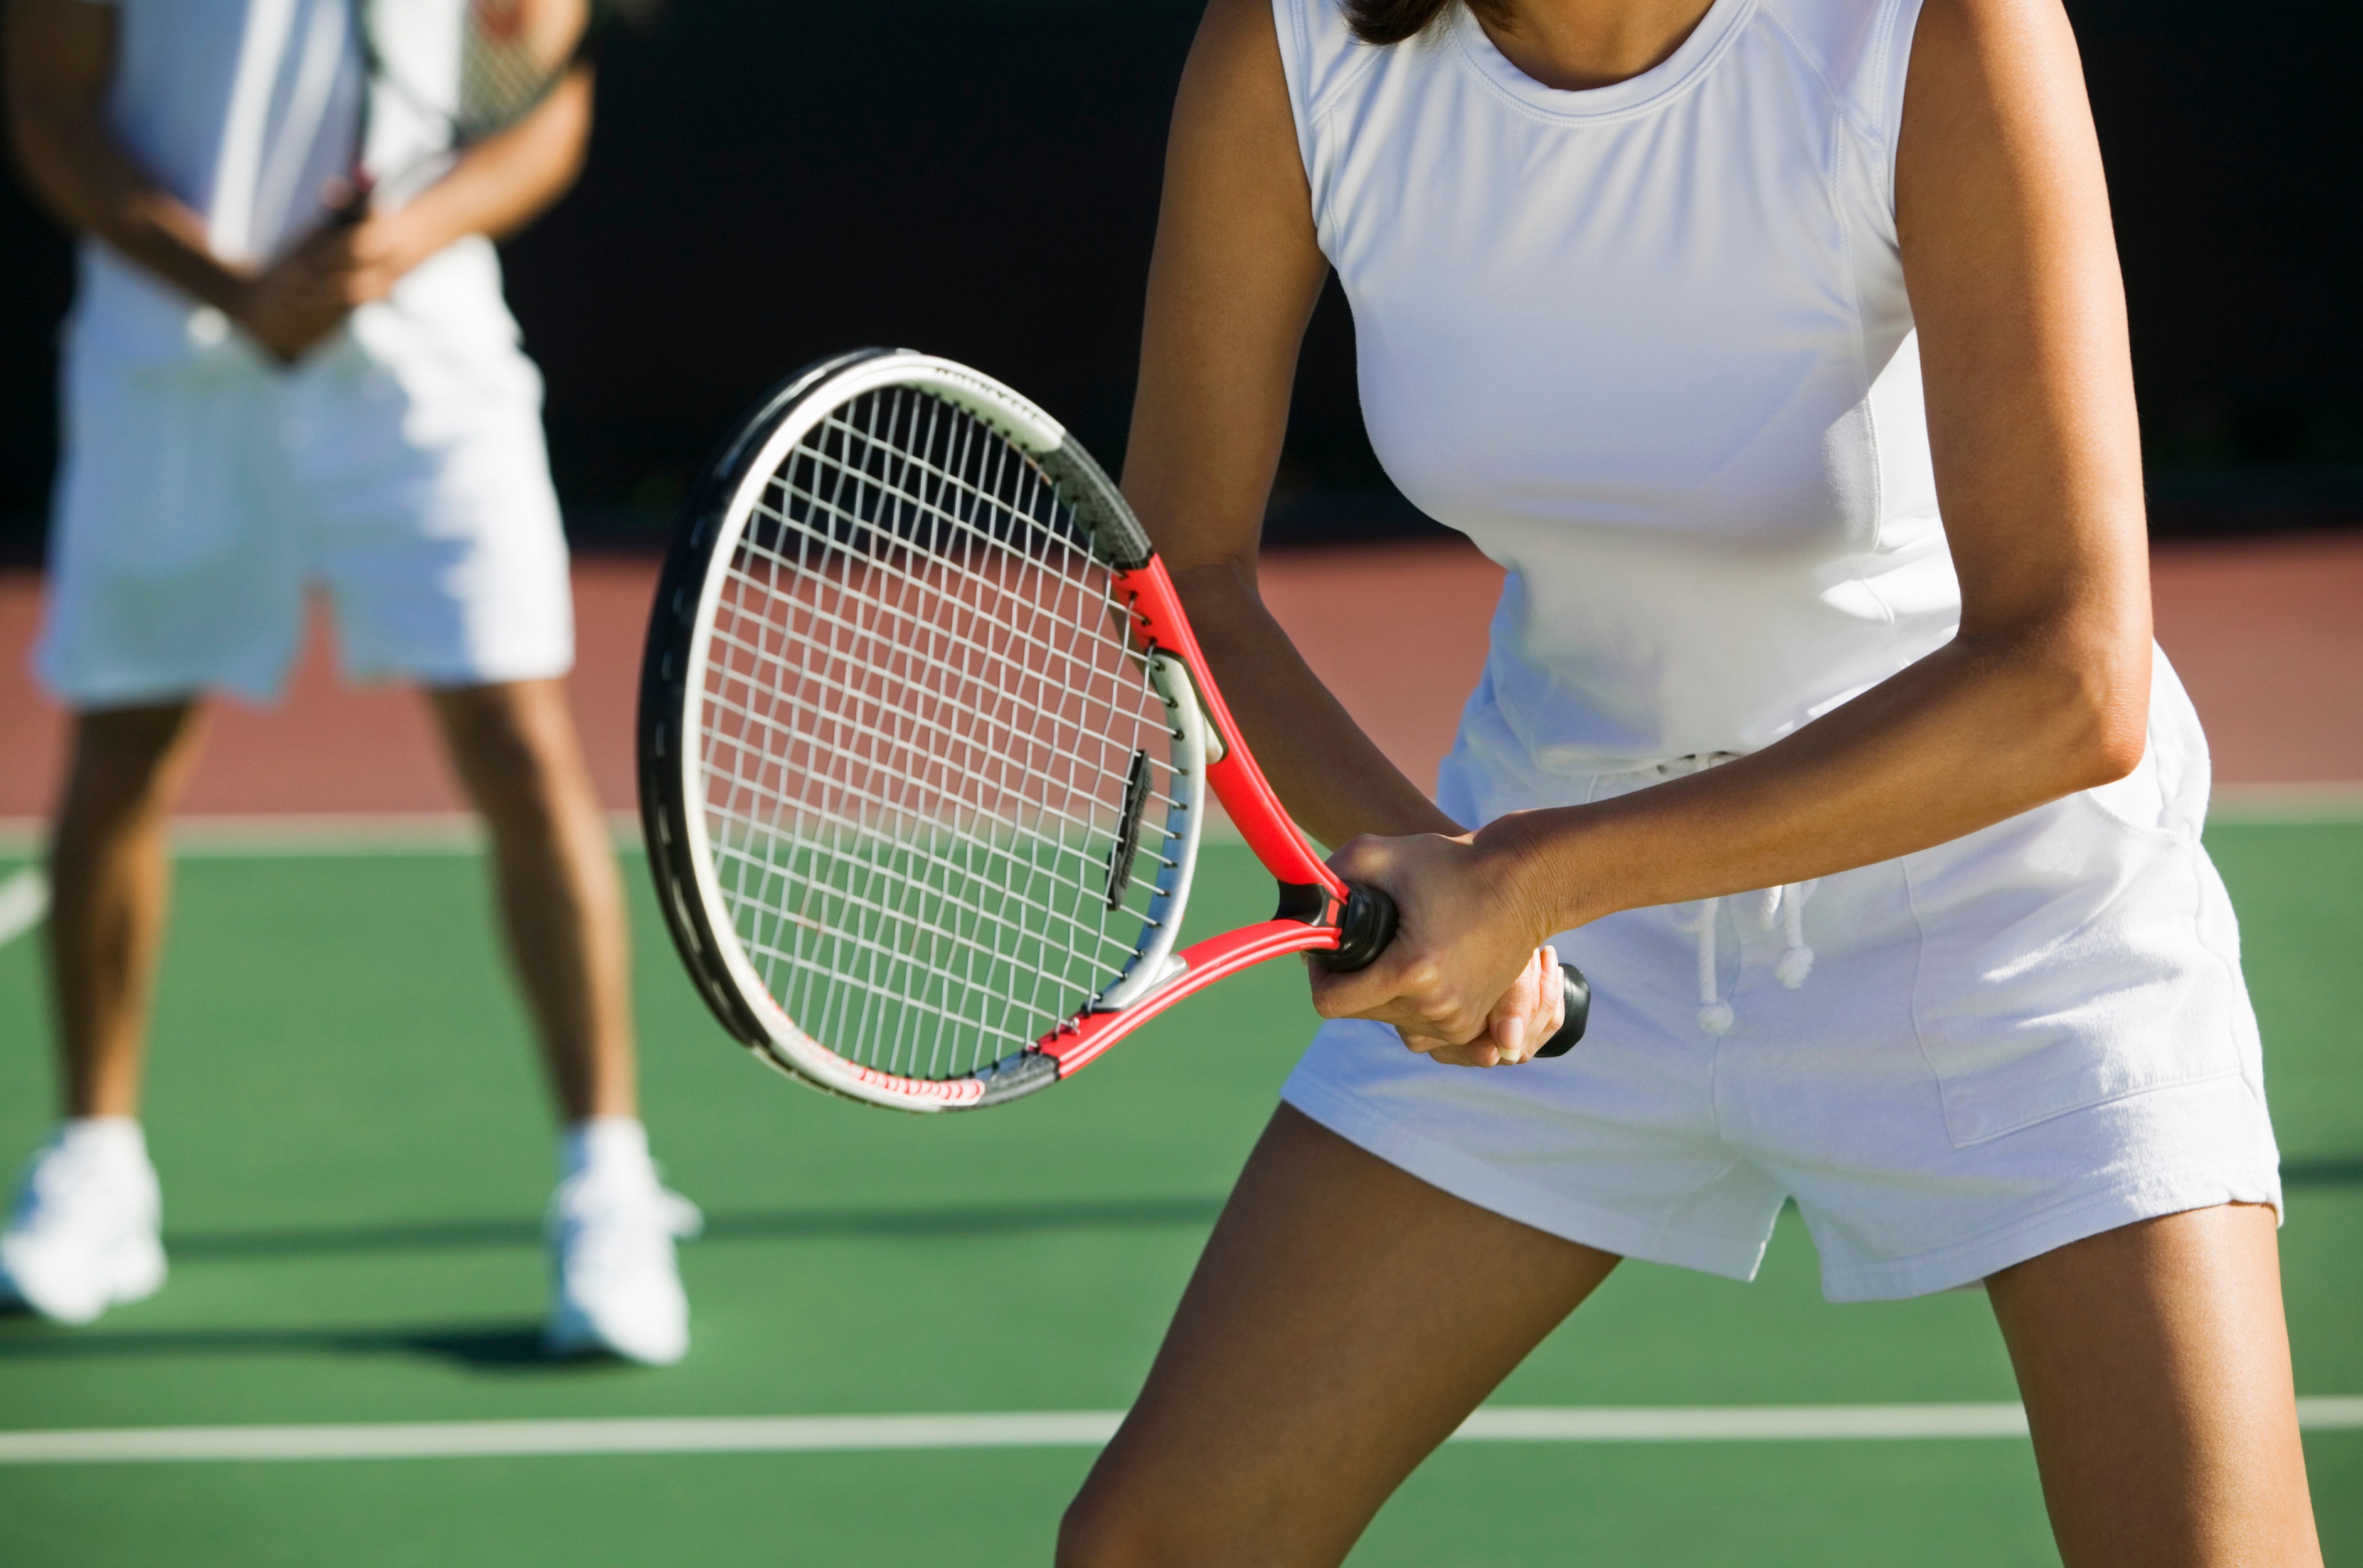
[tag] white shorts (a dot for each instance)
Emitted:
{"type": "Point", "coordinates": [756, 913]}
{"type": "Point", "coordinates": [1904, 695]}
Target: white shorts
{"type": "Point", "coordinates": [2008, 1042]}
{"type": "Point", "coordinates": [202, 496]}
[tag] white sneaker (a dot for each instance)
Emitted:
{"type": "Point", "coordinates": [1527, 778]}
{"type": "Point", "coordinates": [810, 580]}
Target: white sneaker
{"type": "Point", "coordinates": [615, 1286]}
{"type": "Point", "coordinates": [83, 1234]}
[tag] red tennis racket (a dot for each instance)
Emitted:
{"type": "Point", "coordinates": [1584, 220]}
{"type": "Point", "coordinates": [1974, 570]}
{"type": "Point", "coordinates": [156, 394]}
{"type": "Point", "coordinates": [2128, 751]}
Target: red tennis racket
{"type": "Point", "coordinates": [927, 751]}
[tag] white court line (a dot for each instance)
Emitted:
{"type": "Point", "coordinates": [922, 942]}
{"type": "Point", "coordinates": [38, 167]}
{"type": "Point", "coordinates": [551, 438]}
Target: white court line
{"type": "Point", "coordinates": [1044, 1428]}
{"type": "Point", "coordinates": [24, 899]}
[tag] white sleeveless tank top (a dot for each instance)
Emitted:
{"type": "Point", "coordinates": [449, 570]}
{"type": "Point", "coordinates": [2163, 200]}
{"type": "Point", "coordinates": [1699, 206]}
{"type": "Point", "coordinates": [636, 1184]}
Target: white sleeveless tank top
{"type": "Point", "coordinates": [1648, 347]}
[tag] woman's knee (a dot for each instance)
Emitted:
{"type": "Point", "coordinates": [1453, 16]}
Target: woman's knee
{"type": "Point", "coordinates": [127, 760]}
{"type": "Point", "coordinates": [511, 741]}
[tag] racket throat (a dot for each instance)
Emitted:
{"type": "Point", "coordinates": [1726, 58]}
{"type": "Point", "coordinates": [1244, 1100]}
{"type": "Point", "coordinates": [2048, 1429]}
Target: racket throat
{"type": "Point", "coordinates": [1141, 982]}
{"type": "Point", "coordinates": [1021, 1073]}
{"type": "Point", "coordinates": [1155, 965]}
{"type": "Point", "coordinates": [1364, 920]}
{"type": "Point", "coordinates": [1127, 833]}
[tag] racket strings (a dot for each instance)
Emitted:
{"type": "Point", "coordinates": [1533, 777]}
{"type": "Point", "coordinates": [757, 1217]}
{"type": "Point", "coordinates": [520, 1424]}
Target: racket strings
{"type": "Point", "coordinates": [1113, 651]}
{"type": "Point", "coordinates": [512, 53]}
{"type": "Point", "coordinates": [1112, 632]}
{"type": "Point", "coordinates": [475, 66]}
{"type": "Point", "coordinates": [744, 850]}
{"type": "Point", "coordinates": [962, 862]}
{"type": "Point", "coordinates": [943, 732]}
{"type": "Point", "coordinates": [922, 717]}
{"type": "Point", "coordinates": [1036, 870]}
{"type": "Point", "coordinates": [967, 648]}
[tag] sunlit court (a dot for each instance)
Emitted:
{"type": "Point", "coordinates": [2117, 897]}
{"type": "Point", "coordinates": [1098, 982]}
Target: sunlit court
{"type": "Point", "coordinates": [1638, 723]}
{"type": "Point", "coordinates": [347, 1365]}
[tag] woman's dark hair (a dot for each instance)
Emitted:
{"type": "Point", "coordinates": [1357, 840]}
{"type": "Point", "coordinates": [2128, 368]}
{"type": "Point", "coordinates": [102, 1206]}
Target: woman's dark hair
{"type": "Point", "coordinates": [1391, 21]}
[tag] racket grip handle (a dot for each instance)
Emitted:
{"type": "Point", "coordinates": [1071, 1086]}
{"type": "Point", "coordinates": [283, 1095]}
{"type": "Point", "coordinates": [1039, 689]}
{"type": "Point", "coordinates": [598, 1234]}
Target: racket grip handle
{"type": "Point", "coordinates": [1579, 1012]}
{"type": "Point", "coordinates": [1365, 926]}
{"type": "Point", "coordinates": [353, 208]}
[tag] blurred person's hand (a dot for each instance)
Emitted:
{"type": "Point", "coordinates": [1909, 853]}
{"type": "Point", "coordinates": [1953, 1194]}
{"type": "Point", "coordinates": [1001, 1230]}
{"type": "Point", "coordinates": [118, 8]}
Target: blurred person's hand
{"type": "Point", "coordinates": [59, 65]}
{"type": "Point", "coordinates": [294, 304]}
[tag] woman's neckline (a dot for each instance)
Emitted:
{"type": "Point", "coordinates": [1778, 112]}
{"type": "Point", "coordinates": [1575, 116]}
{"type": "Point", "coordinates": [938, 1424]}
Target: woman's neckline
{"type": "Point", "coordinates": [1692, 55]}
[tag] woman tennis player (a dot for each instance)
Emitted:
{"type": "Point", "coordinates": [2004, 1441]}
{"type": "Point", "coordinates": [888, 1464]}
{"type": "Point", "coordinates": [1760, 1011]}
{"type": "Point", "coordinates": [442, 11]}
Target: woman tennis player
{"type": "Point", "coordinates": [1777, 350]}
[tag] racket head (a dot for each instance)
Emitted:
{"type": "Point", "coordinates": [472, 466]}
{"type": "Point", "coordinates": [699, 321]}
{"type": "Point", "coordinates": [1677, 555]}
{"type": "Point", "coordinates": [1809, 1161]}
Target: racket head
{"type": "Point", "coordinates": [475, 66]}
{"type": "Point", "coordinates": [916, 798]}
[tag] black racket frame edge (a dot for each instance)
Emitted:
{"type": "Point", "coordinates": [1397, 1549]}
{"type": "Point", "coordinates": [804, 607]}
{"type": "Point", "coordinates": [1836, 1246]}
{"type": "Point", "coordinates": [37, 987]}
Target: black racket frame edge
{"type": "Point", "coordinates": [664, 698]}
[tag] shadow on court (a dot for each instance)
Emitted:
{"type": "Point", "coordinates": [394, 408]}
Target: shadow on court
{"type": "Point", "coordinates": [792, 1225]}
{"type": "Point", "coordinates": [517, 1346]}
{"type": "Point", "coordinates": [881, 1224]}
{"type": "Point", "coordinates": [495, 1346]}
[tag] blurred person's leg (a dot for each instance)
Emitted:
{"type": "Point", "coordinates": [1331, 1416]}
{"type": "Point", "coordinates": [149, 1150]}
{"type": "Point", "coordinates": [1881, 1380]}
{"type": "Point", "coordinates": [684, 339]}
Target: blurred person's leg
{"type": "Point", "coordinates": [612, 1224]}
{"type": "Point", "coordinates": [561, 900]}
{"type": "Point", "coordinates": [171, 572]}
{"type": "Point", "coordinates": [431, 520]}
{"type": "Point", "coordinates": [83, 1234]}
{"type": "Point", "coordinates": [2155, 1366]}
{"type": "Point", "coordinates": [111, 869]}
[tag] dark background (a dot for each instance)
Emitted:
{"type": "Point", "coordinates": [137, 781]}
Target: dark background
{"type": "Point", "coordinates": [775, 180]}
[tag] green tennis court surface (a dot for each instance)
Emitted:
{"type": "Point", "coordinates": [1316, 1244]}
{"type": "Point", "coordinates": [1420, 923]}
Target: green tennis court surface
{"type": "Point", "coordinates": [355, 1154]}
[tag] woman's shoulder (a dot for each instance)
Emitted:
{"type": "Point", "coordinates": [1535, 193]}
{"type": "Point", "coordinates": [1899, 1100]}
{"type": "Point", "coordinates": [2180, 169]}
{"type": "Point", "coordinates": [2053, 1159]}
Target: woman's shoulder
{"type": "Point", "coordinates": [1320, 52]}
{"type": "Point", "coordinates": [1860, 49]}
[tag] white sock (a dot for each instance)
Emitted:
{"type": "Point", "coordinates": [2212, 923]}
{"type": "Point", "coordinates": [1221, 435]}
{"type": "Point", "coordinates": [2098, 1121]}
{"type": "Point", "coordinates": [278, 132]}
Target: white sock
{"type": "Point", "coordinates": [116, 1140]}
{"type": "Point", "coordinates": [605, 1144]}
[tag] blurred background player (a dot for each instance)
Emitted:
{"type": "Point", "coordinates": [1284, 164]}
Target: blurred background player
{"type": "Point", "coordinates": [260, 399]}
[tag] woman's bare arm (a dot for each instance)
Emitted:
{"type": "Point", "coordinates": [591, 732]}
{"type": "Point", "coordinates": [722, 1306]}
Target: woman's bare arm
{"type": "Point", "coordinates": [1233, 282]}
{"type": "Point", "coordinates": [2012, 266]}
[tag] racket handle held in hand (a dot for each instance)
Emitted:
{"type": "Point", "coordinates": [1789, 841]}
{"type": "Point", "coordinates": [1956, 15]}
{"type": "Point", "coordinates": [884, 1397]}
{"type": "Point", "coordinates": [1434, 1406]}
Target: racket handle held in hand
{"type": "Point", "coordinates": [1579, 1012]}
{"type": "Point", "coordinates": [351, 204]}
{"type": "Point", "coordinates": [1367, 924]}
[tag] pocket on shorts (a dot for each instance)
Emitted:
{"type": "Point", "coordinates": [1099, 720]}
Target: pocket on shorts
{"type": "Point", "coordinates": [2065, 962]}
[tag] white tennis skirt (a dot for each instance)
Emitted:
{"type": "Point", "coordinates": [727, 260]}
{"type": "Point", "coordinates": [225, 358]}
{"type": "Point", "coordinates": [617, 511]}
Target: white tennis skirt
{"type": "Point", "coordinates": [1992, 1048]}
{"type": "Point", "coordinates": [202, 497]}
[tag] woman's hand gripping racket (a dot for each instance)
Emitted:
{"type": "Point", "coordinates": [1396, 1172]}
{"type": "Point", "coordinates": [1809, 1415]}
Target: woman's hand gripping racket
{"type": "Point", "coordinates": [926, 750]}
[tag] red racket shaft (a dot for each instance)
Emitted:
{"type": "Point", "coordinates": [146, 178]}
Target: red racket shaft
{"type": "Point", "coordinates": [1319, 913]}
{"type": "Point", "coordinates": [1313, 895]}
{"type": "Point", "coordinates": [1238, 783]}
{"type": "Point", "coordinates": [1075, 1046]}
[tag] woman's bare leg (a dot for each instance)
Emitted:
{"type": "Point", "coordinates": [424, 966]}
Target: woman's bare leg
{"type": "Point", "coordinates": [2156, 1369]}
{"type": "Point", "coordinates": [1344, 1320]}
